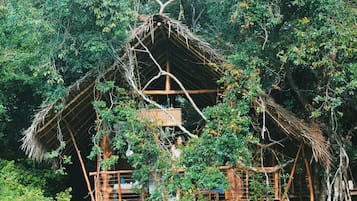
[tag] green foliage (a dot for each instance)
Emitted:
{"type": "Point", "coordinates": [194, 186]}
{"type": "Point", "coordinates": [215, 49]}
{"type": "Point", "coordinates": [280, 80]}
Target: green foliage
{"type": "Point", "coordinates": [225, 139]}
{"type": "Point", "coordinates": [65, 195]}
{"type": "Point", "coordinates": [23, 184]}
{"type": "Point", "coordinates": [304, 55]}
{"type": "Point", "coordinates": [24, 46]}
{"type": "Point", "coordinates": [88, 33]}
{"type": "Point", "coordinates": [259, 186]}
{"type": "Point", "coordinates": [303, 51]}
{"type": "Point", "coordinates": [311, 37]}
{"type": "Point", "coordinates": [201, 156]}
{"type": "Point", "coordinates": [45, 46]}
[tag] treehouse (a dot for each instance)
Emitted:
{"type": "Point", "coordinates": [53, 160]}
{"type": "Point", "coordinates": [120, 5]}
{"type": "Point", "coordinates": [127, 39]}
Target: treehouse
{"type": "Point", "coordinates": [178, 72]}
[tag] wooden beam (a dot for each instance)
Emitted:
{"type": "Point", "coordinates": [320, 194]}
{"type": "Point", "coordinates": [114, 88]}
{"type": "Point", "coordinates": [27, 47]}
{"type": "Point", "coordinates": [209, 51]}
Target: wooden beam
{"type": "Point", "coordinates": [308, 174]}
{"type": "Point", "coordinates": [276, 185]}
{"type": "Point", "coordinates": [168, 81]}
{"type": "Point", "coordinates": [119, 186]}
{"type": "Point", "coordinates": [52, 120]}
{"type": "Point", "coordinates": [84, 171]}
{"type": "Point", "coordinates": [106, 152]}
{"type": "Point", "coordinates": [246, 183]}
{"type": "Point", "coordinates": [171, 92]}
{"type": "Point", "coordinates": [97, 186]}
{"type": "Point", "coordinates": [292, 173]}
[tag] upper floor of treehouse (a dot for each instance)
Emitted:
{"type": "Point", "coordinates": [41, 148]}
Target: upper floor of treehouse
{"type": "Point", "coordinates": [172, 62]}
{"type": "Point", "coordinates": [165, 62]}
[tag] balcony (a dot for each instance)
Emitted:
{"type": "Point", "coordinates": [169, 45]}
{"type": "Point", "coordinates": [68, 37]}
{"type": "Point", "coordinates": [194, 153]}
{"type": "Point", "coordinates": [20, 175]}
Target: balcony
{"type": "Point", "coordinates": [115, 186]}
{"type": "Point", "coordinates": [119, 186]}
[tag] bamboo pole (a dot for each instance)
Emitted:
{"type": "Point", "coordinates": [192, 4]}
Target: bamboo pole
{"type": "Point", "coordinates": [98, 180]}
{"type": "Point", "coordinates": [168, 81]}
{"type": "Point", "coordinates": [104, 144]}
{"type": "Point", "coordinates": [80, 160]}
{"type": "Point", "coordinates": [276, 185]}
{"type": "Point", "coordinates": [97, 186]}
{"type": "Point", "coordinates": [292, 173]}
{"type": "Point", "coordinates": [55, 117]}
{"type": "Point", "coordinates": [308, 174]}
{"type": "Point", "coordinates": [172, 92]}
{"type": "Point", "coordinates": [119, 186]}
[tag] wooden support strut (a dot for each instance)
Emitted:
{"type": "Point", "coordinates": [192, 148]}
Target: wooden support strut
{"type": "Point", "coordinates": [105, 145]}
{"type": "Point", "coordinates": [308, 174]}
{"type": "Point", "coordinates": [89, 188]}
{"type": "Point", "coordinates": [276, 185]}
{"type": "Point", "coordinates": [168, 81]}
{"type": "Point", "coordinates": [172, 92]}
{"type": "Point", "coordinates": [292, 173]}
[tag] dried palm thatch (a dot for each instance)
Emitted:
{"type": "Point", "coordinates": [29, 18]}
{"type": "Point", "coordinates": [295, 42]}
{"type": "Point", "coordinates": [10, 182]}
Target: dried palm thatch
{"type": "Point", "coordinates": [182, 33]}
{"type": "Point", "coordinates": [48, 126]}
{"type": "Point", "coordinates": [310, 135]}
{"type": "Point", "coordinates": [48, 123]}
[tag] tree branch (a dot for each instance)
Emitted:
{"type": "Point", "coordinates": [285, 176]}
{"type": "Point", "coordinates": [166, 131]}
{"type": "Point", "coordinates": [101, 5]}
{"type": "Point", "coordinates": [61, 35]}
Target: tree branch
{"type": "Point", "coordinates": [162, 72]}
{"type": "Point", "coordinates": [266, 35]}
{"type": "Point", "coordinates": [264, 169]}
{"type": "Point", "coordinates": [130, 77]}
{"type": "Point", "coordinates": [163, 5]}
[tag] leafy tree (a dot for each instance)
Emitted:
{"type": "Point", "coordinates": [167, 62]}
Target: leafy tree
{"type": "Point", "coordinates": [45, 46]}
{"type": "Point", "coordinates": [20, 184]}
{"type": "Point", "coordinates": [304, 51]}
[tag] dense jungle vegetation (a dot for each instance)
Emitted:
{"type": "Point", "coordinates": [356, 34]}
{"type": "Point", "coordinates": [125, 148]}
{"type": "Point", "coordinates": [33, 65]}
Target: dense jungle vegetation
{"type": "Point", "coordinates": [301, 52]}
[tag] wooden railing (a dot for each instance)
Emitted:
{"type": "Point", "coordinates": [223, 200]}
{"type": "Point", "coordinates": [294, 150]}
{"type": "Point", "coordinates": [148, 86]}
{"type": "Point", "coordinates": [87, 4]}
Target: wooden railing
{"type": "Point", "coordinates": [115, 186]}
{"type": "Point", "coordinates": [118, 185]}
{"type": "Point", "coordinates": [240, 182]}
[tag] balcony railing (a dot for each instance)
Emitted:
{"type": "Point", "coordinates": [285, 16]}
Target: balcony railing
{"type": "Point", "coordinates": [119, 185]}
{"type": "Point", "coordinates": [115, 186]}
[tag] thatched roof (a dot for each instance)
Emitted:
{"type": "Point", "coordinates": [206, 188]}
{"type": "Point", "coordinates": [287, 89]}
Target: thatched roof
{"type": "Point", "coordinates": [49, 123]}
{"type": "Point", "coordinates": [309, 134]}
{"type": "Point", "coordinates": [175, 29]}
{"type": "Point", "coordinates": [189, 54]}
{"type": "Point", "coordinates": [42, 135]}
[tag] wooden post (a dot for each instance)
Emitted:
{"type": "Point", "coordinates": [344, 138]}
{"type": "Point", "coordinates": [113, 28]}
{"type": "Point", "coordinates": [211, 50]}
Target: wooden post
{"type": "Point", "coordinates": [106, 188]}
{"type": "Point", "coordinates": [292, 173]}
{"type": "Point", "coordinates": [105, 145]}
{"type": "Point", "coordinates": [276, 185]}
{"type": "Point", "coordinates": [97, 186]}
{"type": "Point", "coordinates": [247, 184]}
{"type": "Point", "coordinates": [308, 174]}
{"type": "Point", "coordinates": [119, 187]}
{"type": "Point", "coordinates": [97, 180]}
{"type": "Point", "coordinates": [168, 81]}
{"type": "Point", "coordinates": [89, 188]}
